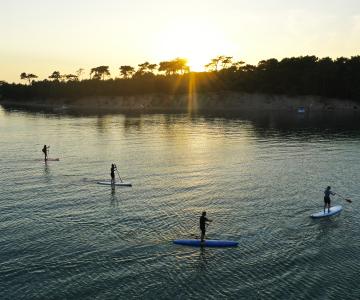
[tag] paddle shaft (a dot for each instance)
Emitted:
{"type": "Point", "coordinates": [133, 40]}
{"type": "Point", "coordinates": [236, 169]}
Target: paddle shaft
{"type": "Point", "coordinates": [118, 173]}
{"type": "Point", "coordinates": [346, 199]}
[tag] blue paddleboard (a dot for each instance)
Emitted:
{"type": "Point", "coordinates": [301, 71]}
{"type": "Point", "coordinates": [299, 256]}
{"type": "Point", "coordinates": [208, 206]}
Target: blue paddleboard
{"type": "Point", "coordinates": [206, 243]}
{"type": "Point", "coordinates": [333, 211]}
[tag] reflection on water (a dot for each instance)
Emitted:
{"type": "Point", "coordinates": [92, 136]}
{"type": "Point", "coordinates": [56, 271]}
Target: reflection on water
{"type": "Point", "coordinates": [202, 259]}
{"type": "Point", "coordinates": [258, 175]}
{"type": "Point", "coordinates": [47, 171]}
{"type": "Point", "coordinates": [114, 199]}
{"type": "Point", "coordinates": [265, 123]}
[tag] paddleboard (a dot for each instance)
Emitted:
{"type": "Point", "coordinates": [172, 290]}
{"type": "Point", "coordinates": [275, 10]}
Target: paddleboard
{"type": "Point", "coordinates": [49, 159]}
{"type": "Point", "coordinates": [116, 183]}
{"type": "Point", "coordinates": [333, 211]}
{"type": "Point", "coordinates": [206, 243]}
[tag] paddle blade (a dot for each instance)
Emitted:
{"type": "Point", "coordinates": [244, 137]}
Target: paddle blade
{"type": "Point", "coordinates": [348, 200]}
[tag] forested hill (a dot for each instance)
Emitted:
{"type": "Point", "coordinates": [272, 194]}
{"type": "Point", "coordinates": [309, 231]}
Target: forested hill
{"type": "Point", "coordinates": [308, 75]}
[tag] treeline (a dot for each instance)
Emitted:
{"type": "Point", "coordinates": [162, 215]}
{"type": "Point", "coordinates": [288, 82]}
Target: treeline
{"type": "Point", "coordinates": [306, 75]}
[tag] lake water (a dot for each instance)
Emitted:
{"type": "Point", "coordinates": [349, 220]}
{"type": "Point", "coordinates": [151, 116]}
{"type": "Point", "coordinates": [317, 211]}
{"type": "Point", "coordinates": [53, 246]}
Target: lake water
{"type": "Point", "coordinates": [259, 177]}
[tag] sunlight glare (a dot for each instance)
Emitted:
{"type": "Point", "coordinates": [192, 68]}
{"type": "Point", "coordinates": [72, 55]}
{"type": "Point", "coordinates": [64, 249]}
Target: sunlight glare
{"type": "Point", "coordinates": [197, 43]}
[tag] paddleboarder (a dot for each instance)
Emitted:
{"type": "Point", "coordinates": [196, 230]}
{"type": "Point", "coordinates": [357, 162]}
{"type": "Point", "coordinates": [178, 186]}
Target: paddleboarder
{"type": "Point", "coordinates": [112, 173]}
{"type": "Point", "coordinates": [45, 150]}
{"type": "Point", "coordinates": [327, 199]}
{"type": "Point", "coordinates": [203, 222]}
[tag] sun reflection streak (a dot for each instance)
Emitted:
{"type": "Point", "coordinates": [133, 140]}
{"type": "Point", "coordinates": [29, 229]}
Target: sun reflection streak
{"type": "Point", "coordinates": [192, 95]}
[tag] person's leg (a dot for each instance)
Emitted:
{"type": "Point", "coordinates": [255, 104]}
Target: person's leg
{"type": "Point", "coordinates": [328, 206]}
{"type": "Point", "coordinates": [202, 235]}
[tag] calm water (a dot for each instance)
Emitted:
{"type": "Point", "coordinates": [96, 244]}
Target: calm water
{"type": "Point", "coordinates": [62, 236]}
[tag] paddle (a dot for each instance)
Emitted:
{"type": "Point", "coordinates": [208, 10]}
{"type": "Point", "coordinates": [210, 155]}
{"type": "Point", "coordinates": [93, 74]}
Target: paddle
{"type": "Point", "coordinates": [346, 199]}
{"type": "Point", "coordinates": [118, 173]}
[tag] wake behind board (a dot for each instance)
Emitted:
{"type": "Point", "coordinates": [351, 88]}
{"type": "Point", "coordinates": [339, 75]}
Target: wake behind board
{"type": "Point", "coordinates": [206, 243]}
{"type": "Point", "coordinates": [116, 183]}
{"type": "Point", "coordinates": [333, 211]}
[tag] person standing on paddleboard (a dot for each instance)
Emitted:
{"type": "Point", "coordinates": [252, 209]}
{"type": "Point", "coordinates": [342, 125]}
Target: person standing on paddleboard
{"type": "Point", "coordinates": [203, 223]}
{"type": "Point", "coordinates": [112, 173]}
{"type": "Point", "coordinates": [45, 150]}
{"type": "Point", "coordinates": [327, 199]}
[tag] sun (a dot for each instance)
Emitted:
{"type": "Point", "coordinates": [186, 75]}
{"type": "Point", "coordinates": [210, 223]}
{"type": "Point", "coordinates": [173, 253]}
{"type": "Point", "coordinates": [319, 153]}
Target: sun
{"type": "Point", "coordinates": [197, 43]}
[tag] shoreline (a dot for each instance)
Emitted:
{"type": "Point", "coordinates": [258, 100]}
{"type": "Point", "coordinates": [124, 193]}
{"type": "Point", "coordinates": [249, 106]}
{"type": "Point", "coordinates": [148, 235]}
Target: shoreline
{"type": "Point", "coordinates": [221, 101]}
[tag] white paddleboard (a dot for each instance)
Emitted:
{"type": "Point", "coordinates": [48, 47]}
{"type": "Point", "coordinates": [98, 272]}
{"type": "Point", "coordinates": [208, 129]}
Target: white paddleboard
{"type": "Point", "coordinates": [116, 183]}
{"type": "Point", "coordinates": [333, 211]}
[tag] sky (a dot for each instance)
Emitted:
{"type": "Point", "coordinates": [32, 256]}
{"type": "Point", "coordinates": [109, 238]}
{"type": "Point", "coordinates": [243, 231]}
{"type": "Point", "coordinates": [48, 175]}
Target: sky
{"type": "Point", "coordinates": [42, 36]}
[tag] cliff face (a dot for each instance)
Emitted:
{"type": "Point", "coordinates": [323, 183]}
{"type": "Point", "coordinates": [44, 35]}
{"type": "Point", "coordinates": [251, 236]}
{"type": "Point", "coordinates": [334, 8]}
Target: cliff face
{"type": "Point", "coordinates": [222, 101]}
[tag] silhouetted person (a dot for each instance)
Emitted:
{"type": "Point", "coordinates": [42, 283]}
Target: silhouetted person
{"type": "Point", "coordinates": [327, 199]}
{"type": "Point", "coordinates": [45, 150]}
{"type": "Point", "coordinates": [112, 173]}
{"type": "Point", "coordinates": [203, 222]}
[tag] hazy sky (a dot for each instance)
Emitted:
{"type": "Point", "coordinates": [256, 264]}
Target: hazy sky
{"type": "Point", "coordinates": [41, 36]}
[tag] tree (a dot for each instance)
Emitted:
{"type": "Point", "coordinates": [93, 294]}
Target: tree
{"type": "Point", "coordinates": [165, 66]}
{"type": "Point", "coordinates": [100, 72]}
{"type": "Point", "coordinates": [213, 65]}
{"type": "Point", "coordinates": [226, 61]}
{"type": "Point", "coordinates": [79, 72]}
{"type": "Point", "coordinates": [174, 66]}
{"type": "Point", "coordinates": [152, 67]}
{"type": "Point", "coordinates": [248, 68]}
{"type": "Point", "coordinates": [126, 71]}
{"type": "Point", "coordinates": [238, 65]}
{"type": "Point", "coordinates": [23, 76]}
{"type": "Point", "coordinates": [55, 76]}
{"type": "Point", "coordinates": [31, 76]}
{"type": "Point", "coordinates": [180, 65]}
{"type": "Point", "coordinates": [220, 61]}
{"type": "Point", "coordinates": [146, 68]}
{"type": "Point", "coordinates": [142, 68]}
{"type": "Point", "coordinates": [28, 77]}
{"type": "Point", "coordinates": [71, 77]}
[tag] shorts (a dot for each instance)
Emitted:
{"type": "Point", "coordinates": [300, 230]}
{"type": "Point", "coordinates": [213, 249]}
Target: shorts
{"type": "Point", "coordinates": [327, 200]}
